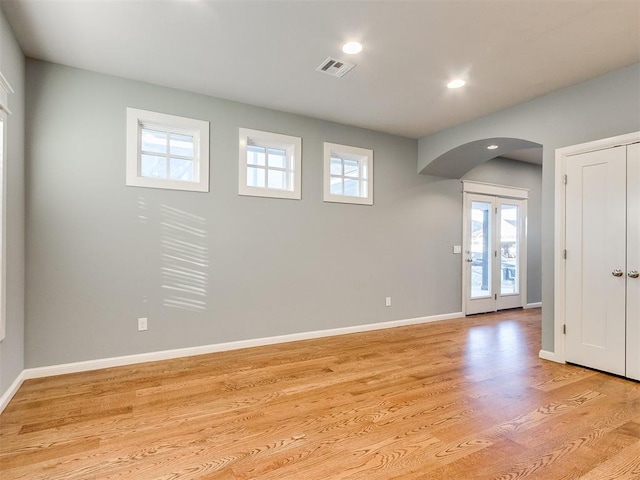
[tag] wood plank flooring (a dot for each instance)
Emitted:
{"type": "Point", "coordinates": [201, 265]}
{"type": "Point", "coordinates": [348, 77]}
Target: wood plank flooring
{"type": "Point", "coordinates": [459, 399]}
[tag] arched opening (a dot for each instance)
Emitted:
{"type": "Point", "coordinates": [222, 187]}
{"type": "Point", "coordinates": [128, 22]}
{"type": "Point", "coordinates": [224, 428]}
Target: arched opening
{"type": "Point", "coordinates": [456, 162]}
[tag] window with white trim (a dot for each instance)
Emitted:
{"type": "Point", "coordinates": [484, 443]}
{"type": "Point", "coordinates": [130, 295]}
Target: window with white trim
{"type": "Point", "coordinates": [348, 174]}
{"type": "Point", "coordinates": [167, 151]}
{"type": "Point", "coordinates": [270, 164]}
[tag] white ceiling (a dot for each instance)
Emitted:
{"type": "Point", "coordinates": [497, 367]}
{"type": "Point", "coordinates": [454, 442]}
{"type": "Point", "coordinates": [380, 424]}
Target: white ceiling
{"type": "Point", "coordinates": [265, 52]}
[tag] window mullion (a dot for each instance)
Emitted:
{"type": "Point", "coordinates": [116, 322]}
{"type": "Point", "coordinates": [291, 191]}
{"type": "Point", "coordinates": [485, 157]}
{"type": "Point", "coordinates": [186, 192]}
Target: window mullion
{"type": "Point", "coordinates": [178, 157]}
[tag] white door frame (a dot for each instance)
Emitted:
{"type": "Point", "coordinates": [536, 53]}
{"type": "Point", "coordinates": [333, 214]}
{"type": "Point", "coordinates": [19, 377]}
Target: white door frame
{"type": "Point", "coordinates": [559, 293]}
{"type": "Point", "coordinates": [501, 192]}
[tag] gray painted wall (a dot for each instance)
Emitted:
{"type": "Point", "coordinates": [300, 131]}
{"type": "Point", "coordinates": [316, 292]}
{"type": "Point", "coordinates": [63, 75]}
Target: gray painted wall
{"type": "Point", "coordinates": [503, 171]}
{"type": "Point", "coordinates": [12, 66]}
{"type": "Point", "coordinates": [599, 108]}
{"type": "Point", "coordinates": [97, 254]}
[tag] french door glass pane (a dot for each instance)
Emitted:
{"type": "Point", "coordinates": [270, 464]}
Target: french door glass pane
{"type": "Point", "coordinates": [480, 249]}
{"type": "Point", "coordinates": [509, 250]}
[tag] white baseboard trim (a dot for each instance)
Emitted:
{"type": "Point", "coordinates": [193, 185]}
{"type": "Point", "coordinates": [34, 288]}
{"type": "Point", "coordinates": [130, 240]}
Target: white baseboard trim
{"type": "Point", "coordinates": [11, 391]}
{"type": "Point", "coordinates": [533, 305]}
{"type": "Point", "coordinates": [97, 364]}
{"type": "Point", "coordinates": [547, 355]}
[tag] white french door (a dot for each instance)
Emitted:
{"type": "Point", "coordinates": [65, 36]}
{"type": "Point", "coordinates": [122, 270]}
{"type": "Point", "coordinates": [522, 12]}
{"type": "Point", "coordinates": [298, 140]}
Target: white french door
{"type": "Point", "coordinates": [494, 267]}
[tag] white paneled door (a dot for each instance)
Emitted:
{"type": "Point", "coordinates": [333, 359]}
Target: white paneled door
{"type": "Point", "coordinates": [602, 249]}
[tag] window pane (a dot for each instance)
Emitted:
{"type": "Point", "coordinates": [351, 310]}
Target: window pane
{"type": "Point", "coordinates": [255, 177]}
{"type": "Point", "coordinates": [277, 158]}
{"type": "Point", "coordinates": [152, 166]}
{"type": "Point", "coordinates": [180, 169]}
{"type": "Point", "coordinates": [480, 249]}
{"type": "Point", "coordinates": [351, 187]}
{"type": "Point", "coordinates": [351, 168]}
{"type": "Point", "coordinates": [336, 166]}
{"type": "Point", "coordinates": [256, 155]}
{"type": "Point", "coordinates": [153, 141]}
{"type": "Point", "coordinates": [336, 186]}
{"type": "Point", "coordinates": [181, 145]}
{"type": "Point", "coordinates": [509, 249]}
{"type": "Point", "coordinates": [277, 179]}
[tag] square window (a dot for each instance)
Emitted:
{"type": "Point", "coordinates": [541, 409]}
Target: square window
{"type": "Point", "coordinates": [167, 151]}
{"type": "Point", "coordinates": [347, 174]}
{"type": "Point", "coordinates": [269, 164]}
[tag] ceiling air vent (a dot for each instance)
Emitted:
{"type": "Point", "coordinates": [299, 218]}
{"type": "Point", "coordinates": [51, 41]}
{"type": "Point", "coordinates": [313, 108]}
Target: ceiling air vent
{"type": "Point", "coordinates": [335, 67]}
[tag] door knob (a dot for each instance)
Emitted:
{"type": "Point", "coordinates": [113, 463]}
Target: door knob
{"type": "Point", "coordinates": [617, 273]}
{"type": "Point", "coordinates": [634, 274]}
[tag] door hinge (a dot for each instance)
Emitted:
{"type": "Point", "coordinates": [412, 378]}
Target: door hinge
{"type": "Point", "coordinates": [495, 296]}
{"type": "Point", "coordinates": [564, 328]}
{"type": "Point", "coordinates": [564, 254]}
{"type": "Point", "coordinates": [564, 179]}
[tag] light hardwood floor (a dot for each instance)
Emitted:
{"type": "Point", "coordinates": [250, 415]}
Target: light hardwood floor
{"type": "Point", "coordinates": [459, 399]}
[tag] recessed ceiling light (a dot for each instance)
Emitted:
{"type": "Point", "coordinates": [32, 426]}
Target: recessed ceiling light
{"type": "Point", "coordinates": [352, 48]}
{"type": "Point", "coordinates": [456, 83]}
{"type": "Point", "coordinates": [492, 147]}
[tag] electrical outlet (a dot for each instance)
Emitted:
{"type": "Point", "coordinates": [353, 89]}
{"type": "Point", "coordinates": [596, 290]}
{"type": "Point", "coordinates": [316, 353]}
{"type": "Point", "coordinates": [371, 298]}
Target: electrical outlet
{"type": "Point", "coordinates": [387, 302]}
{"type": "Point", "coordinates": [142, 324]}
